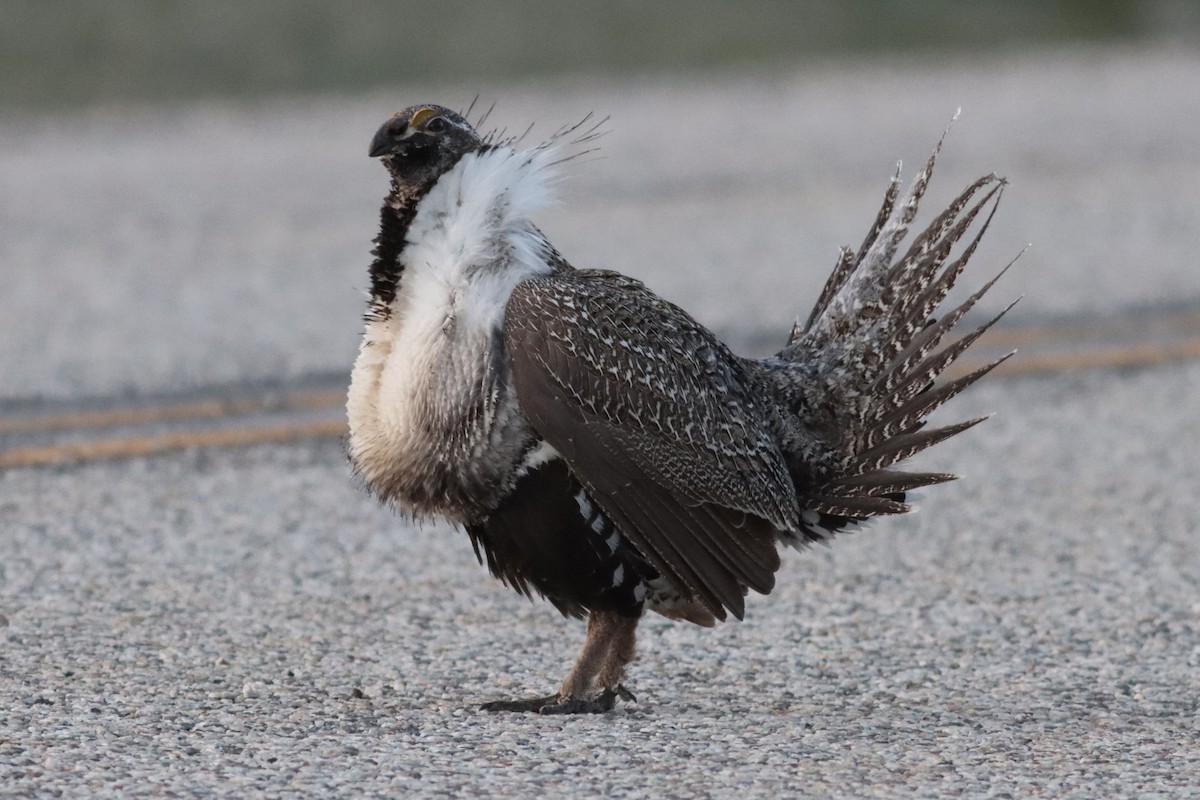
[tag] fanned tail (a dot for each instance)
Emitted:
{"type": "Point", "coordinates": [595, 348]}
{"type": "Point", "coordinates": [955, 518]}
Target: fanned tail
{"type": "Point", "coordinates": [861, 373]}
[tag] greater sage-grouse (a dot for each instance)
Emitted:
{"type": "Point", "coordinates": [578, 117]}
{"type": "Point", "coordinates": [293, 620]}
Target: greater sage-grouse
{"type": "Point", "coordinates": [601, 447]}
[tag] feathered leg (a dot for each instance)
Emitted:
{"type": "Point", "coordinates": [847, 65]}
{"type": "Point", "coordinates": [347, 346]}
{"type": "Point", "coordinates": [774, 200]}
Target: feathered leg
{"type": "Point", "coordinates": [609, 647]}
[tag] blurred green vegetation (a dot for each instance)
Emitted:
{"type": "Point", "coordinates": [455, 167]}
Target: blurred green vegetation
{"type": "Point", "coordinates": [58, 52]}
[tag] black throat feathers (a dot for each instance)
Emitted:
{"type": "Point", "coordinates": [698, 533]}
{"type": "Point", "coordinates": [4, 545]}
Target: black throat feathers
{"type": "Point", "coordinates": [395, 217]}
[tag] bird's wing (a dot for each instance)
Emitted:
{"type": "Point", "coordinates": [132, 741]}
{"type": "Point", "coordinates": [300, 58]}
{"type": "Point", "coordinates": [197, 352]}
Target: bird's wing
{"type": "Point", "coordinates": [654, 416]}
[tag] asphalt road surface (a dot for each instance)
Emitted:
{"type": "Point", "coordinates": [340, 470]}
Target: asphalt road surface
{"type": "Point", "coordinates": [242, 621]}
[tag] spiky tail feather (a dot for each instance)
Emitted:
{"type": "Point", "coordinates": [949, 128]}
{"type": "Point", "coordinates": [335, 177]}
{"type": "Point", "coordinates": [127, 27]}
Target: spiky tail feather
{"type": "Point", "coordinates": [864, 365]}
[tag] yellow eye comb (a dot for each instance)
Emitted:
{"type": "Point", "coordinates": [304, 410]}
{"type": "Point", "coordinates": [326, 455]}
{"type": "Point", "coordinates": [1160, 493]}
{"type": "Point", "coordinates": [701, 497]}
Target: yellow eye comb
{"type": "Point", "coordinates": [421, 116]}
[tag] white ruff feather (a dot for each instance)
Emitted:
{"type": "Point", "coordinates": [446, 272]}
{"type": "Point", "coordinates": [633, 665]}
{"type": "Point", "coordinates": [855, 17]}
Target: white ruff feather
{"type": "Point", "coordinates": [471, 240]}
{"type": "Point", "coordinates": [469, 244]}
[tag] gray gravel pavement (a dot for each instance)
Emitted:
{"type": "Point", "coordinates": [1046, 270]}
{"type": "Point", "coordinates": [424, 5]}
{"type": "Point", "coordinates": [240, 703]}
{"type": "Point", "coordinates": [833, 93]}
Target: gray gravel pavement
{"type": "Point", "coordinates": [243, 622]}
{"type": "Point", "coordinates": [238, 623]}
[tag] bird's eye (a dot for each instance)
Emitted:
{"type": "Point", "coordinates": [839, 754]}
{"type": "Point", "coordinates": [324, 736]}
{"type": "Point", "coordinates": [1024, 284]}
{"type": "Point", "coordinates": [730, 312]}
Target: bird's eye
{"type": "Point", "coordinates": [436, 125]}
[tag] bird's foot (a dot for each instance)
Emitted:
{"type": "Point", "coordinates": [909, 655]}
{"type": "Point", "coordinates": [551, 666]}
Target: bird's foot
{"type": "Point", "coordinates": [557, 704]}
{"type": "Point", "coordinates": [530, 705]}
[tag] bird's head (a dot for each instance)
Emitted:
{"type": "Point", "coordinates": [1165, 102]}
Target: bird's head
{"type": "Point", "coordinates": [421, 142]}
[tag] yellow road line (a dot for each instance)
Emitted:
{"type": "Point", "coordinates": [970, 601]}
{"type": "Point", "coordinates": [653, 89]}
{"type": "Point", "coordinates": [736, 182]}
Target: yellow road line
{"type": "Point", "coordinates": [135, 446]}
{"type": "Point", "coordinates": [1077, 360]}
{"type": "Point", "coordinates": [1132, 356]}
{"type": "Point", "coordinates": [1003, 339]}
{"type": "Point", "coordinates": [1061, 361]}
{"type": "Point", "coordinates": [142, 415]}
{"type": "Point", "coordinates": [1180, 324]}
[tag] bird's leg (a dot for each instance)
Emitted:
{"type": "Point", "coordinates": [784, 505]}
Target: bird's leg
{"type": "Point", "coordinates": [591, 656]}
{"type": "Point", "coordinates": [608, 648]}
{"type": "Point", "coordinates": [622, 647]}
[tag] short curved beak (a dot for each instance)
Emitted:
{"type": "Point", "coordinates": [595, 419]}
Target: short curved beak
{"type": "Point", "coordinates": [385, 142]}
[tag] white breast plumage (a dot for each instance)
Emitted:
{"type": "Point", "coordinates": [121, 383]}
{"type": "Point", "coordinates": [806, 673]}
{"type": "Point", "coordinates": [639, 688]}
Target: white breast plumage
{"type": "Point", "coordinates": [423, 366]}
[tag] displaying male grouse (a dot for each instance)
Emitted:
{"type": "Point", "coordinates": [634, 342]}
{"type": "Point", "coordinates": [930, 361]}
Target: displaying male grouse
{"type": "Point", "coordinates": [601, 447]}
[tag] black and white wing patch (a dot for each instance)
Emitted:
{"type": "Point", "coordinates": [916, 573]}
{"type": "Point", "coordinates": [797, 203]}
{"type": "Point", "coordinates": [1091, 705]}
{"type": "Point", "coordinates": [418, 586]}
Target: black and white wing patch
{"type": "Point", "coordinates": [653, 414]}
{"type": "Point", "coordinates": [546, 536]}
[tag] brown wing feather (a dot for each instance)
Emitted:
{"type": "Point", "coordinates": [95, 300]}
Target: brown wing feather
{"type": "Point", "coordinates": [652, 413]}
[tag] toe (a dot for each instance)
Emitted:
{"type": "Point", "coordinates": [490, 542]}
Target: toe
{"type": "Point", "coordinates": [529, 705]}
{"type": "Point", "coordinates": [579, 705]}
